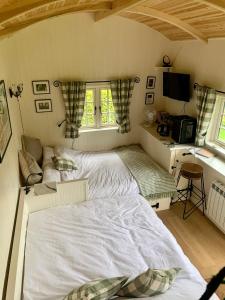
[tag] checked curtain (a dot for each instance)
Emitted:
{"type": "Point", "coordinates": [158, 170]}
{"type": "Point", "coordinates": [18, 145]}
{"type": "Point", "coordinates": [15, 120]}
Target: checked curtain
{"type": "Point", "coordinates": [73, 93]}
{"type": "Point", "coordinates": [122, 90]}
{"type": "Point", "coordinates": [206, 98]}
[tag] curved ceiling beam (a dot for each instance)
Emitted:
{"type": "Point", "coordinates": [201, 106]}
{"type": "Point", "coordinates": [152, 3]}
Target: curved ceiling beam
{"type": "Point", "coordinates": [72, 8]}
{"type": "Point", "coordinates": [117, 7]}
{"type": "Point", "coordinates": [217, 4]}
{"type": "Point", "coordinates": [21, 7]}
{"type": "Point", "coordinates": [154, 13]}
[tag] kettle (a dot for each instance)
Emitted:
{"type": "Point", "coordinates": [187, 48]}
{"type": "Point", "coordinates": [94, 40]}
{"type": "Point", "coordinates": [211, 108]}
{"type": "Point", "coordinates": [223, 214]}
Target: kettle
{"type": "Point", "coordinates": [163, 129]}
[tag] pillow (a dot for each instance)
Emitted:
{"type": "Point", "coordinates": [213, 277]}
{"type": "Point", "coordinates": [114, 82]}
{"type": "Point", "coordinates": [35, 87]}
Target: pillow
{"type": "Point", "coordinates": [102, 289]}
{"type": "Point", "coordinates": [29, 165]}
{"type": "Point", "coordinates": [149, 283]}
{"type": "Point", "coordinates": [33, 146]}
{"type": "Point", "coordinates": [63, 164]}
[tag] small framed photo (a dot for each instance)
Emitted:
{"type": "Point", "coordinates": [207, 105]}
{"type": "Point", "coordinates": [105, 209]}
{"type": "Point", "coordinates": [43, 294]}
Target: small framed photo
{"type": "Point", "coordinates": [150, 84]}
{"type": "Point", "coordinates": [149, 98]}
{"type": "Point", "coordinates": [43, 105]}
{"type": "Point", "coordinates": [41, 87]}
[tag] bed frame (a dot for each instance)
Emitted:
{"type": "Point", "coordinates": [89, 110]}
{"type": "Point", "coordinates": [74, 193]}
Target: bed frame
{"type": "Point", "coordinates": [69, 192]}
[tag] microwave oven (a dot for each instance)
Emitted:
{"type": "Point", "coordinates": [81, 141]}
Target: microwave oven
{"type": "Point", "coordinates": [184, 129]}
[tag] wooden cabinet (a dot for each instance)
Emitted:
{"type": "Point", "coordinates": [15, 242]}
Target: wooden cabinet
{"type": "Point", "coordinates": [165, 152]}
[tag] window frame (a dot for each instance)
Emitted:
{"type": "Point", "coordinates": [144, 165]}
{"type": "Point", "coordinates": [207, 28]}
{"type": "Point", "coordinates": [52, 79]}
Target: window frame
{"type": "Point", "coordinates": [97, 111]}
{"type": "Point", "coordinates": [215, 124]}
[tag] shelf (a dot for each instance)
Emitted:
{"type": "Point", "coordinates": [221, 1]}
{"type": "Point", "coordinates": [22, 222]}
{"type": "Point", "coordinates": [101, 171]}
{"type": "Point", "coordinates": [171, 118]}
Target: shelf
{"type": "Point", "coordinates": [168, 69]}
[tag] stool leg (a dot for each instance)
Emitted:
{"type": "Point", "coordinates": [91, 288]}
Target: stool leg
{"type": "Point", "coordinates": [203, 195]}
{"type": "Point", "coordinates": [187, 197]}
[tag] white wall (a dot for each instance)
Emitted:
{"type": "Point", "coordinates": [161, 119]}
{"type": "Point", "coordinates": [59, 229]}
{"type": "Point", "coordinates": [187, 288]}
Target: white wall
{"type": "Point", "coordinates": [9, 170]}
{"type": "Point", "coordinates": [76, 47]}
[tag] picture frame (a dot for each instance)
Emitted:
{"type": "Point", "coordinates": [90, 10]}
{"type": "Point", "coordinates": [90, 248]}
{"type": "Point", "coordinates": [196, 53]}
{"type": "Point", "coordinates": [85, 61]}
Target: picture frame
{"type": "Point", "coordinates": [150, 83]}
{"type": "Point", "coordinates": [149, 98]}
{"type": "Point", "coordinates": [43, 105]}
{"type": "Point", "coordinates": [5, 122]}
{"type": "Point", "coordinates": [41, 87]}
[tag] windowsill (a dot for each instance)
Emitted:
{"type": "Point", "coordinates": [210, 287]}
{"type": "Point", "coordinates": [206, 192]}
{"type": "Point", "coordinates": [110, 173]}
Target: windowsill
{"type": "Point", "coordinates": [216, 149]}
{"type": "Point", "coordinates": [88, 130]}
{"type": "Point", "coordinates": [216, 163]}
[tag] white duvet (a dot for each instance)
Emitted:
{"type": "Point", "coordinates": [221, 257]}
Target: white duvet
{"type": "Point", "coordinates": [71, 245]}
{"type": "Point", "coordinates": [107, 175]}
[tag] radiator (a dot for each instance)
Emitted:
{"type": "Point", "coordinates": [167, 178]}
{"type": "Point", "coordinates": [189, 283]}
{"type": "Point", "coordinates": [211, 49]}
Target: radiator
{"type": "Point", "coordinates": [216, 205]}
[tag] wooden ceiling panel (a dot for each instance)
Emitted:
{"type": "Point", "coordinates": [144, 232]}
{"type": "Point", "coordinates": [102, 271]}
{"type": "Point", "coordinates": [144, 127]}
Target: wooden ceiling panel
{"type": "Point", "coordinates": [176, 19]}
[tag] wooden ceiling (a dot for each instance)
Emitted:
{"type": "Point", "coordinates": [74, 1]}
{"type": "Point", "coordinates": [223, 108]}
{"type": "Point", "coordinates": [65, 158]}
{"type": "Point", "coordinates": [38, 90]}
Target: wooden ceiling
{"type": "Point", "coordinates": [176, 19]}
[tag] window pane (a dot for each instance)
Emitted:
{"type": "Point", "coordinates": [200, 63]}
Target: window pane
{"type": "Point", "coordinates": [89, 95]}
{"type": "Point", "coordinates": [88, 119]}
{"type": "Point", "coordinates": [104, 106]}
{"type": "Point", "coordinates": [221, 134]}
{"type": "Point", "coordinates": [112, 119]}
{"type": "Point", "coordinates": [223, 121]}
{"type": "Point", "coordinates": [111, 107]}
{"type": "Point", "coordinates": [104, 119]}
{"type": "Point", "coordinates": [90, 107]}
{"type": "Point", "coordinates": [107, 108]}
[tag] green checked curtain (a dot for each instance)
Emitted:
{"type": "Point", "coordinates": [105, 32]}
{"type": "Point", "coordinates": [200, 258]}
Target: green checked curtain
{"type": "Point", "coordinates": [206, 98]}
{"type": "Point", "coordinates": [74, 98]}
{"type": "Point", "coordinates": [122, 90]}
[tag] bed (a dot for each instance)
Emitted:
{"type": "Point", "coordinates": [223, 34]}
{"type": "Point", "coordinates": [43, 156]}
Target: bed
{"type": "Point", "coordinates": [70, 245]}
{"type": "Point", "coordinates": [123, 171]}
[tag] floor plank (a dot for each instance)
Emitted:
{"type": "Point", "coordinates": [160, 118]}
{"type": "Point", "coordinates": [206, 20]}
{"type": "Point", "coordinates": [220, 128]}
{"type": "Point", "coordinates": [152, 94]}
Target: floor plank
{"type": "Point", "coordinates": [200, 240]}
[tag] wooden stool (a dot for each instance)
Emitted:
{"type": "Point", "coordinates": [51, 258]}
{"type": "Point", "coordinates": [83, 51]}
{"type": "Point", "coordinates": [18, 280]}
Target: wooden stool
{"type": "Point", "coordinates": [191, 172]}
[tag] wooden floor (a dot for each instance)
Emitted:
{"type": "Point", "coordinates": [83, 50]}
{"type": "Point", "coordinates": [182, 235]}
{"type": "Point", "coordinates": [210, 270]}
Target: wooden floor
{"type": "Point", "coordinates": [200, 240]}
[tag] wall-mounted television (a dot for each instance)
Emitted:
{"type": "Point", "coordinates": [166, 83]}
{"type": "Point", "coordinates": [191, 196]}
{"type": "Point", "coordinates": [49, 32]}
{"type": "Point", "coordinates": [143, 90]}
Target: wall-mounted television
{"type": "Point", "coordinates": [176, 86]}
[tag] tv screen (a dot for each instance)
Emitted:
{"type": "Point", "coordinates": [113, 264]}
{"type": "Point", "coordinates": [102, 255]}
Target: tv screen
{"type": "Point", "coordinates": [176, 86]}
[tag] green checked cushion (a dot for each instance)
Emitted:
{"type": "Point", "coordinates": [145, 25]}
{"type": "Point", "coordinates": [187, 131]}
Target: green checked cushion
{"type": "Point", "coordinates": [149, 283]}
{"type": "Point", "coordinates": [63, 164]}
{"type": "Point", "coordinates": [101, 289]}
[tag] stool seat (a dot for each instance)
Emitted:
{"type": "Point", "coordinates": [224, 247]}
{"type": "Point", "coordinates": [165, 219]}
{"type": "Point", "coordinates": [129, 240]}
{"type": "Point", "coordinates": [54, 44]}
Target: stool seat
{"type": "Point", "coordinates": [191, 170]}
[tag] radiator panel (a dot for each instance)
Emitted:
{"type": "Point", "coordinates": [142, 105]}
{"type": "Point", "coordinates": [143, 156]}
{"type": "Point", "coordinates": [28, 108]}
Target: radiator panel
{"type": "Point", "coordinates": [216, 205]}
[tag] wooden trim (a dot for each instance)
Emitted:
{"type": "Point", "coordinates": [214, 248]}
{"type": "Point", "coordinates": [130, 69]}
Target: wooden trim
{"type": "Point", "coordinates": [154, 13]}
{"type": "Point", "coordinates": [117, 7]}
{"type": "Point", "coordinates": [21, 8]}
{"type": "Point", "coordinates": [217, 4]}
{"type": "Point", "coordinates": [53, 13]}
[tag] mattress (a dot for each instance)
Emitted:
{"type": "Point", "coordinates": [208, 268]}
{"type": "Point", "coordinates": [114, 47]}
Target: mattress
{"type": "Point", "coordinates": [70, 245]}
{"type": "Point", "coordinates": [107, 175]}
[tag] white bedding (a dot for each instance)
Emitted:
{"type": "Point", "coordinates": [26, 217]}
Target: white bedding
{"type": "Point", "coordinates": [71, 245]}
{"type": "Point", "coordinates": [107, 175]}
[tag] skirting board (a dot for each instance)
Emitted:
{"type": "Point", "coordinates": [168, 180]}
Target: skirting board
{"type": "Point", "coordinates": [67, 193]}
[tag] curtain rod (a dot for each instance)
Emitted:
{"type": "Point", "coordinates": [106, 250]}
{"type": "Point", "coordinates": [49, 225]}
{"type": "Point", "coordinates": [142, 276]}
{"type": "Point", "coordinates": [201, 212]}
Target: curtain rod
{"type": "Point", "coordinates": [216, 90]}
{"type": "Point", "coordinates": [57, 83]}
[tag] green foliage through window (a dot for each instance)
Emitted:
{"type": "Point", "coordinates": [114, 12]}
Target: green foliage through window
{"type": "Point", "coordinates": [99, 110]}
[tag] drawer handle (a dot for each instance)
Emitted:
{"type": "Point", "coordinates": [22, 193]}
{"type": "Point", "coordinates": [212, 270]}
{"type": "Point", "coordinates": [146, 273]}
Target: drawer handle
{"type": "Point", "coordinates": [184, 154]}
{"type": "Point", "coordinates": [156, 205]}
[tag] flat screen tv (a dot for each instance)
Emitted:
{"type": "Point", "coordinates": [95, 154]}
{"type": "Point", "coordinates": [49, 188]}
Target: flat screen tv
{"type": "Point", "coordinates": [176, 86]}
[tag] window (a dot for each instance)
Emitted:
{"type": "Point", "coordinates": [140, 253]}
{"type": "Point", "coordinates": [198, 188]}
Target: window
{"type": "Point", "coordinates": [98, 110]}
{"type": "Point", "coordinates": [216, 134]}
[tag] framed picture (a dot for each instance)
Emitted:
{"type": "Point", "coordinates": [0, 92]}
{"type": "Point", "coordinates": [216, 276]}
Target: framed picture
{"type": "Point", "coordinates": [5, 124]}
{"type": "Point", "coordinates": [150, 84]}
{"type": "Point", "coordinates": [41, 87]}
{"type": "Point", "coordinates": [149, 98]}
{"type": "Point", "coordinates": [43, 105]}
